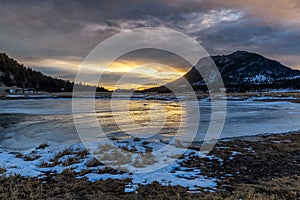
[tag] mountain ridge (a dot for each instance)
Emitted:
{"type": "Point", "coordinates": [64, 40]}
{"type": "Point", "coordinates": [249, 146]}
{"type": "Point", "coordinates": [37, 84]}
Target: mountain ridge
{"type": "Point", "coordinates": [241, 71]}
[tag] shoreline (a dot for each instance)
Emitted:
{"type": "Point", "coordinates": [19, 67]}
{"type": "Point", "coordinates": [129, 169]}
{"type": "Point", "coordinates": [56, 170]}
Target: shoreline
{"type": "Point", "coordinates": [149, 96]}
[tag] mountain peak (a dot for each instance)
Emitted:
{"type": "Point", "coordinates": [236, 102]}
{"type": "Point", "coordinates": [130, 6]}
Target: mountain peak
{"type": "Point", "coordinates": [243, 54]}
{"type": "Point", "coordinates": [242, 71]}
{"type": "Point", "coordinates": [239, 53]}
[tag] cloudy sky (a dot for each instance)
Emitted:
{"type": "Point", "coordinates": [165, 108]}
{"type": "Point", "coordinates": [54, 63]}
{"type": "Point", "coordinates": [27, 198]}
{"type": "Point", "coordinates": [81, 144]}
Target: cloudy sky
{"type": "Point", "coordinates": [55, 36]}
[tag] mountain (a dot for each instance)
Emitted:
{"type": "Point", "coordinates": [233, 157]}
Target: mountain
{"type": "Point", "coordinates": [14, 74]}
{"type": "Point", "coordinates": [241, 71]}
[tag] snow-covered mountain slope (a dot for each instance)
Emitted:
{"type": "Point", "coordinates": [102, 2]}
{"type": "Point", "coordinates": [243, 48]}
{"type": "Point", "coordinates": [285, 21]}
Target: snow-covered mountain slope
{"type": "Point", "coordinates": [245, 67]}
{"type": "Point", "coordinates": [240, 71]}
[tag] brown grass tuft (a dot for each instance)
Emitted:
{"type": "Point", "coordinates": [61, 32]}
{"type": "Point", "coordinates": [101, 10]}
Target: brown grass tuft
{"type": "Point", "coordinates": [43, 145]}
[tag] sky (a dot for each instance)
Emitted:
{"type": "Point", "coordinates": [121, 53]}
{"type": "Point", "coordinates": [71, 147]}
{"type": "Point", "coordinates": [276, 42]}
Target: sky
{"type": "Point", "coordinates": [54, 37]}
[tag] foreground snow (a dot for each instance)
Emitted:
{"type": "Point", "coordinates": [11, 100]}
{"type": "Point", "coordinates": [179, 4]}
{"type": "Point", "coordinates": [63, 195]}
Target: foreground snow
{"type": "Point", "coordinates": [32, 163]}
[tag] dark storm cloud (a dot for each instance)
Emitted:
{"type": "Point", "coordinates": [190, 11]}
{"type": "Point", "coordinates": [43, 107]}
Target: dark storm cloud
{"type": "Point", "coordinates": [73, 28]}
{"type": "Point", "coordinates": [33, 30]}
{"type": "Point", "coordinates": [250, 35]}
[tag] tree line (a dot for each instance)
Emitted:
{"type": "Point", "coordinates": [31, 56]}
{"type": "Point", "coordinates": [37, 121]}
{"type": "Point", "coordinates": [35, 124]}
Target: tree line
{"type": "Point", "coordinates": [14, 74]}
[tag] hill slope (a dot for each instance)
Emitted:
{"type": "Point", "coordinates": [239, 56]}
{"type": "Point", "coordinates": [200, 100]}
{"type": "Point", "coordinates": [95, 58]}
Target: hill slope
{"type": "Point", "coordinates": [241, 71]}
{"type": "Point", "coordinates": [14, 74]}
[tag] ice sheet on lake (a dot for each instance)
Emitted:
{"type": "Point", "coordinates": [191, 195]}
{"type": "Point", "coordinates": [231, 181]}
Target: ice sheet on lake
{"type": "Point", "coordinates": [52, 119]}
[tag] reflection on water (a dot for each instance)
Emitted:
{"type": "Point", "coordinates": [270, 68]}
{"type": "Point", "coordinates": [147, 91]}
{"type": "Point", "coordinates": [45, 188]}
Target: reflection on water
{"type": "Point", "coordinates": [25, 123]}
{"type": "Point", "coordinates": [145, 118]}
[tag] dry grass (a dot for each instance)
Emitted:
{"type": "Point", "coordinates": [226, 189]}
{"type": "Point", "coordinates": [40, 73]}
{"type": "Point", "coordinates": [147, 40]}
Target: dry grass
{"type": "Point", "coordinates": [44, 164]}
{"type": "Point", "coordinates": [66, 186]}
{"type": "Point", "coordinates": [132, 149]}
{"type": "Point", "coordinates": [65, 152]}
{"type": "Point", "coordinates": [279, 188]}
{"type": "Point", "coordinates": [122, 169]}
{"type": "Point", "coordinates": [74, 156]}
{"type": "Point", "coordinates": [2, 170]}
{"type": "Point", "coordinates": [144, 159]}
{"type": "Point", "coordinates": [138, 162]}
{"type": "Point", "coordinates": [104, 148]}
{"type": "Point", "coordinates": [93, 163]}
{"type": "Point", "coordinates": [82, 153]}
{"type": "Point", "coordinates": [116, 157]}
{"type": "Point", "coordinates": [43, 145]}
{"type": "Point", "coordinates": [30, 157]}
{"type": "Point", "coordinates": [71, 160]}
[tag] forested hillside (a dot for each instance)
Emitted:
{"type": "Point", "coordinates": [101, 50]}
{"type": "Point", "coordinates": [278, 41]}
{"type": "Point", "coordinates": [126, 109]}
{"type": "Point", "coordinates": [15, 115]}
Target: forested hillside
{"type": "Point", "coordinates": [14, 74]}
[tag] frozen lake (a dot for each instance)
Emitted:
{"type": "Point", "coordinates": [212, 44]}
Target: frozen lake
{"type": "Point", "coordinates": [26, 123]}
